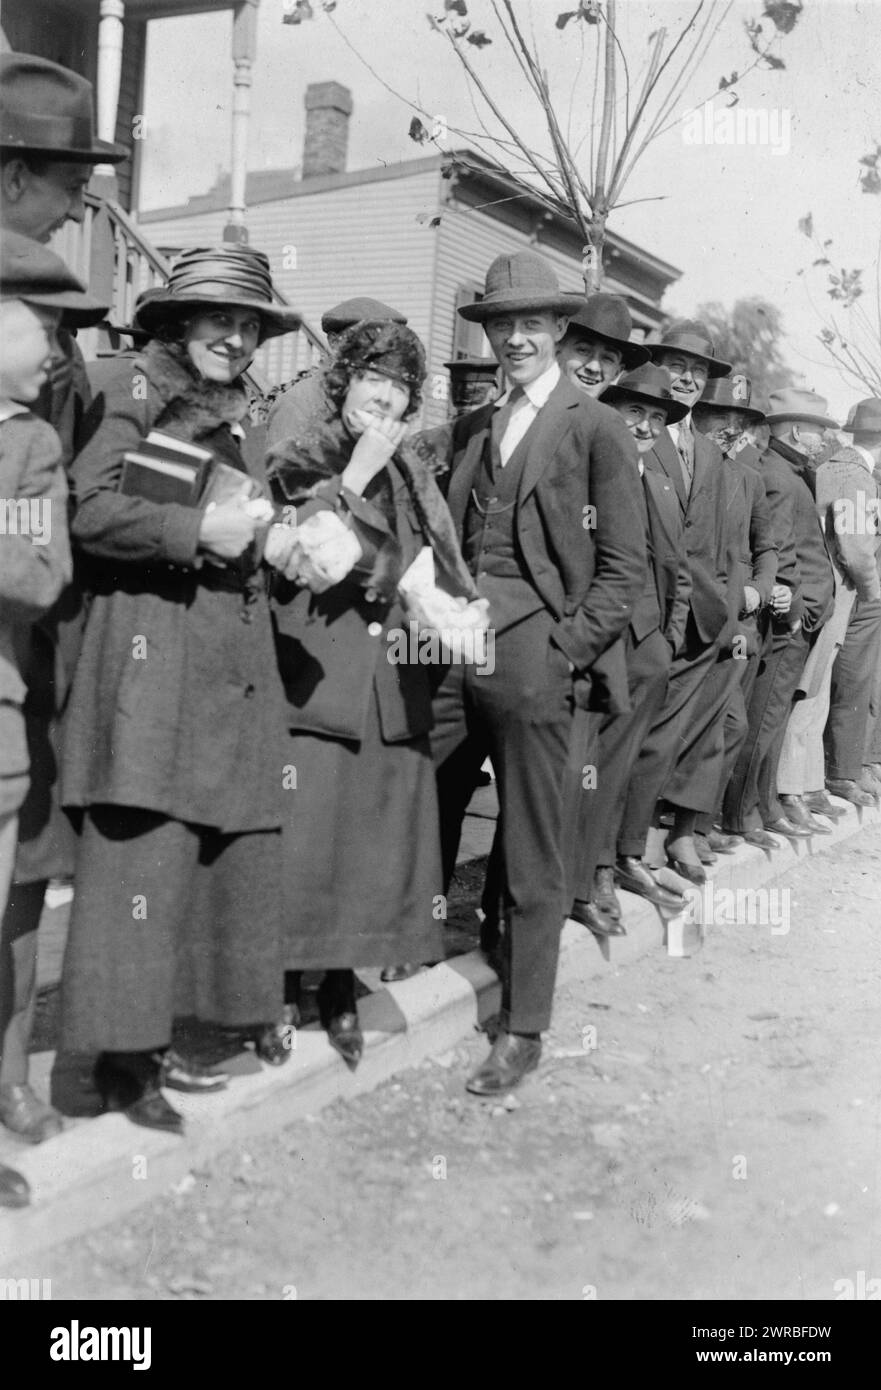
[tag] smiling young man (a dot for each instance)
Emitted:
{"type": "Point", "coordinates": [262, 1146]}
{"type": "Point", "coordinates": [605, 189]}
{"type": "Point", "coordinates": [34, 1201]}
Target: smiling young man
{"type": "Point", "coordinates": [596, 347]}
{"type": "Point", "coordinates": [544, 491]}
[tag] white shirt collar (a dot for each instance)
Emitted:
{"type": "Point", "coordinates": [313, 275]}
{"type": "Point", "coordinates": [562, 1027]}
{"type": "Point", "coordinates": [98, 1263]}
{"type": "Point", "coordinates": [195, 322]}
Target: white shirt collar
{"type": "Point", "coordinates": [10, 408]}
{"type": "Point", "coordinates": [866, 457]}
{"type": "Point", "coordinates": [537, 391]}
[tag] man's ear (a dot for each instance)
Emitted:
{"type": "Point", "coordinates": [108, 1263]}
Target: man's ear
{"type": "Point", "coordinates": [561, 329]}
{"type": "Point", "coordinates": [14, 179]}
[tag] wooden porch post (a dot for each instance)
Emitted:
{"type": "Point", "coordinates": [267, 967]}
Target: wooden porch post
{"type": "Point", "coordinates": [110, 36]}
{"type": "Point", "coordinates": [244, 51]}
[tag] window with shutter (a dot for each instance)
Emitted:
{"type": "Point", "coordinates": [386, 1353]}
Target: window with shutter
{"type": "Point", "coordinates": [469, 339]}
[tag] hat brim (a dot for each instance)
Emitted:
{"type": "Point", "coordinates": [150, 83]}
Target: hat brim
{"type": "Point", "coordinates": [799, 418]}
{"type": "Point", "coordinates": [77, 310]}
{"type": "Point", "coordinates": [675, 410]}
{"type": "Point", "coordinates": [567, 304]}
{"type": "Point", "coordinates": [756, 416]}
{"type": "Point", "coordinates": [100, 152]}
{"type": "Point", "coordinates": [276, 318]}
{"type": "Point", "coordinates": [714, 365]}
{"type": "Point", "coordinates": [632, 354]}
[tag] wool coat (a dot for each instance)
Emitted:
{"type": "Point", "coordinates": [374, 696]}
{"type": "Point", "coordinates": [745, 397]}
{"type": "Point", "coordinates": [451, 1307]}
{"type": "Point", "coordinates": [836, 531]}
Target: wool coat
{"type": "Point", "coordinates": [176, 703]}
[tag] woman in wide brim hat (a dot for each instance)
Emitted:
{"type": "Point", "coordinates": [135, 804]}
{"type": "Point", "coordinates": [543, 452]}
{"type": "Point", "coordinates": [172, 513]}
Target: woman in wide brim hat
{"type": "Point", "coordinates": [517, 283]}
{"type": "Point", "coordinates": [174, 719]}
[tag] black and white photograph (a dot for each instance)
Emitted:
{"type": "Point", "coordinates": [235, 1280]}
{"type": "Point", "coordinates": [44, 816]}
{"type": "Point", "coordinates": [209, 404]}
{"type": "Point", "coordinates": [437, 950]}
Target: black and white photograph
{"type": "Point", "coordinates": [440, 665]}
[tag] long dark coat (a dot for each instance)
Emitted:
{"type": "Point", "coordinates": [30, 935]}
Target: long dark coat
{"type": "Point", "coordinates": [361, 841]}
{"type": "Point", "coordinates": [176, 703]}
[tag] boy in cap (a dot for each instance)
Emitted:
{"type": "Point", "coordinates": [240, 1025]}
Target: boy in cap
{"type": "Point", "coordinates": [35, 564]}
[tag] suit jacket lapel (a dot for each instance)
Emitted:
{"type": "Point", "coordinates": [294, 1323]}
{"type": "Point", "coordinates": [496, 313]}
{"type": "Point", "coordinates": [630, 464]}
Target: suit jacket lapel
{"type": "Point", "coordinates": [544, 434]}
{"type": "Point", "coordinates": [662, 501]}
{"type": "Point", "coordinates": [465, 472]}
{"type": "Point", "coordinates": [667, 455]}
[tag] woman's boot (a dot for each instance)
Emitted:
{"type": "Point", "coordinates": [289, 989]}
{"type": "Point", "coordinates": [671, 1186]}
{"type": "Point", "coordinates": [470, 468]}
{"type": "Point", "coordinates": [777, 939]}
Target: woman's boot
{"type": "Point", "coordinates": [130, 1081]}
{"type": "Point", "coordinates": [339, 1015]}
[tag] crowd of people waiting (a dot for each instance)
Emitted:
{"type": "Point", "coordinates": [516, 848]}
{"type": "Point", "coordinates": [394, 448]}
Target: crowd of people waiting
{"type": "Point", "coordinates": [201, 719]}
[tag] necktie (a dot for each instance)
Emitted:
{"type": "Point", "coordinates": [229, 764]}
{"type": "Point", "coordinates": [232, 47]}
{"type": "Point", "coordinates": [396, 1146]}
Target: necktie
{"type": "Point", "coordinates": [686, 455]}
{"type": "Point", "coordinates": [502, 418]}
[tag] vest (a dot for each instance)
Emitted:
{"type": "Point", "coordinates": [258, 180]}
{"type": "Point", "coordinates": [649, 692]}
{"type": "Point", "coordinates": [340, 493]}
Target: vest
{"type": "Point", "coordinates": [490, 545]}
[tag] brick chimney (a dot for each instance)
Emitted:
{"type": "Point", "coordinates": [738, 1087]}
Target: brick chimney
{"type": "Point", "coordinates": [328, 108]}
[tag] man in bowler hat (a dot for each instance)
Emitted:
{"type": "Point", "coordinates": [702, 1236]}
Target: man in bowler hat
{"type": "Point", "coordinates": [544, 491]}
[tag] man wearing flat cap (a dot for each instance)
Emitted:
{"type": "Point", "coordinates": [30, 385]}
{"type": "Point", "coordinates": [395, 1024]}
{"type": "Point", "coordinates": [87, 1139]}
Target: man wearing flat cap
{"type": "Point", "coordinates": [47, 151]}
{"type": "Point", "coordinates": [305, 401]}
{"type": "Point", "coordinates": [545, 492]}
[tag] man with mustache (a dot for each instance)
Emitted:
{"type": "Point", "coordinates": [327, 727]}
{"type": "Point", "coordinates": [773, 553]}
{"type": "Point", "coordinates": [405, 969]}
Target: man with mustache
{"type": "Point", "coordinates": [803, 566]}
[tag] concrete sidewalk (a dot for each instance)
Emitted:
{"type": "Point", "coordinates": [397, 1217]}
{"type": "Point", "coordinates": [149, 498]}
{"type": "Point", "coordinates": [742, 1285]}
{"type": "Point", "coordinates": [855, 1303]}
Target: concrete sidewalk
{"type": "Point", "coordinates": [98, 1170]}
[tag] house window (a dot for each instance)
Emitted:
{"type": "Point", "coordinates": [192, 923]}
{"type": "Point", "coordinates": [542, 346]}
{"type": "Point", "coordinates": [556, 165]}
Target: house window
{"type": "Point", "coordinates": [469, 339]}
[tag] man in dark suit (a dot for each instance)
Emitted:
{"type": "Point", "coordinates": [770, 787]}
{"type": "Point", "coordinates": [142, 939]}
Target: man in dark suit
{"type": "Point", "coordinates": [657, 627]}
{"type": "Point", "coordinates": [723, 414]}
{"type": "Point", "coordinates": [544, 491]}
{"type": "Point", "coordinates": [804, 569]}
{"type": "Point", "coordinates": [693, 465]}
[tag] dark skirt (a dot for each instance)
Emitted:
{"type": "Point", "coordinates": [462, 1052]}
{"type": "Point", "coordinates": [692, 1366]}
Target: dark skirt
{"type": "Point", "coordinates": [168, 919]}
{"type": "Point", "coordinates": [362, 880]}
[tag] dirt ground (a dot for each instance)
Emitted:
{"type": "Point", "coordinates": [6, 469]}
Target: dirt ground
{"type": "Point", "coordinates": [721, 1139]}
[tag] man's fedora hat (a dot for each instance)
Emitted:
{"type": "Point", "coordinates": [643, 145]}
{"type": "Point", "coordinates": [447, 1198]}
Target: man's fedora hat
{"type": "Point", "coordinates": [230, 275]}
{"type": "Point", "coordinates": [730, 393]}
{"type": "Point", "coordinates": [518, 282]}
{"type": "Point", "coordinates": [32, 272]}
{"type": "Point", "coordinates": [646, 385]}
{"type": "Point", "coordinates": [802, 407]}
{"type": "Point", "coordinates": [607, 317]}
{"type": "Point", "coordinates": [46, 109]}
{"type": "Point", "coordinates": [693, 337]}
{"type": "Point", "coordinates": [864, 417]}
{"type": "Point", "coordinates": [342, 316]}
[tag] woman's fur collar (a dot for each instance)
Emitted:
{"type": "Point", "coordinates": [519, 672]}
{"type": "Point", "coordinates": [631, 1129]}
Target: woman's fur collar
{"type": "Point", "coordinates": [191, 406]}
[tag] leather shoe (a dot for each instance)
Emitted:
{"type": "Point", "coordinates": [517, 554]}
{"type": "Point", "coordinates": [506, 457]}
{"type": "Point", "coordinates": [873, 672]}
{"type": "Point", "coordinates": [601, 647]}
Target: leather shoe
{"type": "Point", "coordinates": [635, 877]}
{"type": "Point", "coordinates": [153, 1112]}
{"type": "Point", "coordinates": [273, 1044]}
{"type": "Point", "coordinates": [761, 838]}
{"type": "Point", "coordinates": [695, 873]}
{"type": "Point", "coordinates": [784, 826]}
{"type": "Point", "coordinates": [393, 973]}
{"type": "Point", "coordinates": [797, 812]}
{"type": "Point", "coordinates": [510, 1058]}
{"type": "Point", "coordinates": [592, 916]}
{"type": "Point", "coordinates": [704, 853]}
{"type": "Point", "coordinates": [345, 1036]}
{"type": "Point", "coordinates": [722, 842]}
{"type": "Point", "coordinates": [27, 1116]}
{"type": "Point", "coordinates": [14, 1191]}
{"type": "Point", "coordinates": [604, 894]}
{"type": "Point", "coordinates": [849, 791]}
{"type": "Point", "coordinates": [869, 784]}
{"type": "Point", "coordinates": [338, 1012]}
{"type": "Point", "coordinates": [129, 1081]}
{"type": "Point", "coordinates": [819, 804]}
{"type": "Point", "coordinates": [184, 1074]}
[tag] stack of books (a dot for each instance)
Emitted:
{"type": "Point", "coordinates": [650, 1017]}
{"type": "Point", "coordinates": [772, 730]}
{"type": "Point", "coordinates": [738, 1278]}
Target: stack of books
{"type": "Point", "coordinates": [166, 469]}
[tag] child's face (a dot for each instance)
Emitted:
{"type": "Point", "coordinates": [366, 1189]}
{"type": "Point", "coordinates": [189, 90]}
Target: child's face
{"type": "Point", "coordinates": [27, 338]}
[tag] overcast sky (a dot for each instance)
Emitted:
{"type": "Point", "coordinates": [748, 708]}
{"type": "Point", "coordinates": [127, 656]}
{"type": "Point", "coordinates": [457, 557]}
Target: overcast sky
{"type": "Point", "coordinates": [729, 213]}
